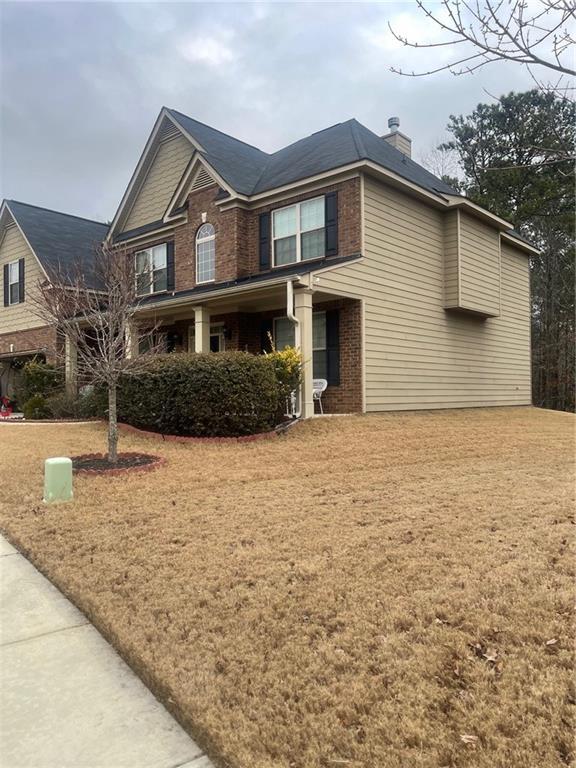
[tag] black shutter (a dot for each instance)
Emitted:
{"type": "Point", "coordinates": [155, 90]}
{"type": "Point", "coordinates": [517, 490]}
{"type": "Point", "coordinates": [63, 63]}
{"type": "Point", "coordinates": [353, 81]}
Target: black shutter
{"type": "Point", "coordinates": [265, 333]}
{"type": "Point", "coordinates": [170, 277]}
{"type": "Point", "coordinates": [331, 223]}
{"type": "Point", "coordinates": [333, 347]}
{"type": "Point", "coordinates": [21, 279]}
{"type": "Point", "coordinates": [264, 240]}
{"type": "Point", "coordinates": [6, 294]}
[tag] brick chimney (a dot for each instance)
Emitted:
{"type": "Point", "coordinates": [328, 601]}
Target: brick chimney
{"type": "Point", "coordinates": [398, 139]}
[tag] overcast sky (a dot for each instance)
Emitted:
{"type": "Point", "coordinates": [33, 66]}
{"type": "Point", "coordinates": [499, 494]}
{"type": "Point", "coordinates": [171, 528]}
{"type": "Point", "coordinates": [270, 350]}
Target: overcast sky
{"type": "Point", "coordinates": [82, 84]}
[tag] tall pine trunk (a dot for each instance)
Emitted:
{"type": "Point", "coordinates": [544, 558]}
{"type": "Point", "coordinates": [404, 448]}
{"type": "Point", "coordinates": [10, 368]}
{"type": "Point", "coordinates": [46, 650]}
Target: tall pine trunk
{"type": "Point", "coordinates": [112, 425]}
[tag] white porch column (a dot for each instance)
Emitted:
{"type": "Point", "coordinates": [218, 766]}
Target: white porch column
{"type": "Point", "coordinates": [303, 312]}
{"type": "Point", "coordinates": [131, 340]}
{"type": "Point", "coordinates": [71, 366]}
{"type": "Point", "coordinates": [201, 329]}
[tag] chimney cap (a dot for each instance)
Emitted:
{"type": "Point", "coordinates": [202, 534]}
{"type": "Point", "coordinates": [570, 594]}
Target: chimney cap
{"type": "Point", "coordinates": [393, 123]}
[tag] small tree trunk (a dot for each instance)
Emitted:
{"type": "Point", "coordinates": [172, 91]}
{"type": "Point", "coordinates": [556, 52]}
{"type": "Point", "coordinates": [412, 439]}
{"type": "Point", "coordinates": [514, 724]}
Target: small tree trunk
{"type": "Point", "coordinates": [112, 425]}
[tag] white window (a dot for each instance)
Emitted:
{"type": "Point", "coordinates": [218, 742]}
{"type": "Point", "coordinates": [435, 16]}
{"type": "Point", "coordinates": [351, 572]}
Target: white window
{"type": "Point", "coordinates": [14, 282]}
{"type": "Point", "coordinates": [151, 270]}
{"type": "Point", "coordinates": [205, 254]}
{"type": "Point", "coordinates": [298, 232]}
{"type": "Point", "coordinates": [284, 337]}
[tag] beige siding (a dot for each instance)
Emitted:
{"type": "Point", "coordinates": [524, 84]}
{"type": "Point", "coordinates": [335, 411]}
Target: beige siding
{"type": "Point", "coordinates": [479, 266]}
{"type": "Point", "coordinates": [417, 354]}
{"type": "Point", "coordinates": [19, 317]}
{"type": "Point", "coordinates": [160, 182]}
{"type": "Point", "coordinates": [451, 240]}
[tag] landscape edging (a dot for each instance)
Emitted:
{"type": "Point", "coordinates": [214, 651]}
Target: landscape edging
{"type": "Point", "coordinates": [191, 439]}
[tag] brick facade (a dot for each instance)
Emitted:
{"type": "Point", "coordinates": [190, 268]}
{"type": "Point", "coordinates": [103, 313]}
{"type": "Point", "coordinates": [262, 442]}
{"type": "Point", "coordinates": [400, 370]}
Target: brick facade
{"type": "Point", "coordinates": [244, 333]}
{"type": "Point", "coordinates": [236, 229]}
{"type": "Point", "coordinates": [35, 339]}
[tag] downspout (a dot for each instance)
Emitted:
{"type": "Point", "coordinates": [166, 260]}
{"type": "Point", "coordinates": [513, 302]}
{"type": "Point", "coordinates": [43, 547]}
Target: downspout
{"type": "Point", "coordinates": [292, 317]}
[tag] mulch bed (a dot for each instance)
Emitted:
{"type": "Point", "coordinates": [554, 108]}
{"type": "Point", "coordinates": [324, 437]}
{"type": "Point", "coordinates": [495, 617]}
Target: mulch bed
{"type": "Point", "coordinates": [97, 463]}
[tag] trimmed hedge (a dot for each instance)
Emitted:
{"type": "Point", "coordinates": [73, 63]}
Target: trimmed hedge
{"type": "Point", "coordinates": [38, 378]}
{"type": "Point", "coordinates": [206, 395]}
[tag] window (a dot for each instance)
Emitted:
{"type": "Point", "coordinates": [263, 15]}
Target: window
{"type": "Point", "coordinates": [205, 254]}
{"type": "Point", "coordinates": [284, 337]}
{"type": "Point", "coordinates": [14, 282]}
{"type": "Point", "coordinates": [298, 232]}
{"type": "Point", "coordinates": [151, 270]}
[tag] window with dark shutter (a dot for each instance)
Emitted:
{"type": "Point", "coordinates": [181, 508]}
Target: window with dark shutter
{"type": "Point", "coordinates": [6, 285]}
{"type": "Point", "coordinates": [264, 240]}
{"type": "Point", "coordinates": [170, 273]}
{"type": "Point", "coordinates": [333, 347]}
{"type": "Point", "coordinates": [331, 223]}
{"type": "Point", "coordinates": [21, 279]}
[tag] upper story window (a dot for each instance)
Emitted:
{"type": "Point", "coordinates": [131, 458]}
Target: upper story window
{"type": "Point", "coordinates": [152, 270]}
{"type": "Point", "coordinates": [14, 283]}
{"type": "Point", "coordinates": [205, 254]}
{"type": "Point", "coordinates": [298, 232]}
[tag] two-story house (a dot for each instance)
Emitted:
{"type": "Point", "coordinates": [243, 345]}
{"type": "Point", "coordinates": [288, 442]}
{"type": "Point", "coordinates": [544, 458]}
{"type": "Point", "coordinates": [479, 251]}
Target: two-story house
{"type": "Point", "coordinates": [400, 293]}
{"type": "Point", "coordinates": [33, 242]}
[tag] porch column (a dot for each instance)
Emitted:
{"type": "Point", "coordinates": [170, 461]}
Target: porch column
{"type": "Point", "coordinates": [131, 340]}
{"type": "Point", "coordinates": [201, 329]}
{"type": "Point", "coordinates": [303, 312]}
{"type": "Point", "coordinates": [71, 366]}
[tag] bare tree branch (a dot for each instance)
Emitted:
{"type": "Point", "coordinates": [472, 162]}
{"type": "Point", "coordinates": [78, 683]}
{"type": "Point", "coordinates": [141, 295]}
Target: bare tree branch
{"type": "Point", "coordinates": [499, 30]}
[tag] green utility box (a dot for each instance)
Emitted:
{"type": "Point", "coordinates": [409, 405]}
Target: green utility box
{"type": "Point", "coordinates": [57, 480]}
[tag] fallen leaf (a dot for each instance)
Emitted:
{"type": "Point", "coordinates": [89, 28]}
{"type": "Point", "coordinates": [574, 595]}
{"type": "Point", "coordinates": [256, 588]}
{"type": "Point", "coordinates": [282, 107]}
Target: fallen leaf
{"type": "Point", "coordinates": [552, 642]}
{"type": "Point", "coordinates": [468, 738]}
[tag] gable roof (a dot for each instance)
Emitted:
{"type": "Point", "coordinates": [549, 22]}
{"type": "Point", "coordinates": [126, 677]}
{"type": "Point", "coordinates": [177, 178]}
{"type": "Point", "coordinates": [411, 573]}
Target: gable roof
{"type": "Point", "coordinates": [250, 171]}
{"type": "Point", "coordinates": [60, 241]}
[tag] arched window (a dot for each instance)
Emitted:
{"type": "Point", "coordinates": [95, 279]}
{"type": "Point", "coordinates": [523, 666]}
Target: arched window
{"type": "Point", "coordinates": [205, 254]}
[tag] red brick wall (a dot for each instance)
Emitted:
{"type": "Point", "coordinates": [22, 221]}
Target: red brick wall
{"type": "Point", "coordinates": [349, 219]}
{"type": "Point", "coordinates": [237, 232]}
{"type": "Point", "coordinates": [43, 338]}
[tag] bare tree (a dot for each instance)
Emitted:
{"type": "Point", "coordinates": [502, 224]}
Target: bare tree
{"type": "Point", "coordinates": [441, 160]}
{"type": "Point", "coordinates": [538, 35]}
{"type": "Point", "coordinates": [95, 307]}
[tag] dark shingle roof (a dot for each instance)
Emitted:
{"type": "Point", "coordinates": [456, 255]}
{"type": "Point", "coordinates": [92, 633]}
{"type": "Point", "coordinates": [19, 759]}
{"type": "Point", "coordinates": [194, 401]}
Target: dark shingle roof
{"type": "Point", "coordinates": [240, 164]}
{"type": "Point", "coordinates": [60, 241]}
{"type": "Point", "coordinates": [249, 170]}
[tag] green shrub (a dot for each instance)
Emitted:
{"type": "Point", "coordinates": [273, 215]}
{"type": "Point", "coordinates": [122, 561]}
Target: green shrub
{"type": "Point", "coordinates": [39, 379]}
{"type": "Point", "coordinates": [223, 394]}
{"type": "Point", "coordinates": [36, 407]}
{"type": "Point", "coordinates": [86, 405]}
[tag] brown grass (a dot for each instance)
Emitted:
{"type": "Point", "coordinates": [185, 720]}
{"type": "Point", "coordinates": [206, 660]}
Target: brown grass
{"type": "Point", "coordinates": [362, 592]}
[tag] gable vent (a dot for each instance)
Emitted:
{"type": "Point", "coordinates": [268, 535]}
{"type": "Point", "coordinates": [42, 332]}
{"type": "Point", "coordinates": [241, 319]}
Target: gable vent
{"type": "Point", "coordinates": [203, 179]}
{"type": "Point", "coordinates": [167, 131]}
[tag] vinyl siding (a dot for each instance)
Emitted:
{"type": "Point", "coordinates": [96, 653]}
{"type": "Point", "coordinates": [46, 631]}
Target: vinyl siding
{"type": "Point", "coordinates": [18, 317]}
{"type": "Point", "coordinates": [451, 256]}
{"type": "Point", "coordinates": [160, 182]}
{"type": "Point", "coordinates": [417, 354]}
{"type": "Point", "coordinates": [479, 266]}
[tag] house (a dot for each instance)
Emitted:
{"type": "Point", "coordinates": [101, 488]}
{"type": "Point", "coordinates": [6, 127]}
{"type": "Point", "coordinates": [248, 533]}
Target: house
{"type": "Point", "coordinates": [34, 241]}
{"type": "Point", "coordinates": [401, 293]}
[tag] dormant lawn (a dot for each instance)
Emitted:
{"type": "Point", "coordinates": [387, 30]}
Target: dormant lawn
{"type": "Point", "coordinates": [386, 591]}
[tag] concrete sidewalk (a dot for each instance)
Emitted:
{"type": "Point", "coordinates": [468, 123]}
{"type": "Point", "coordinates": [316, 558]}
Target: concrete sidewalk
{"type": "Point", "coordinates": [67, 700]}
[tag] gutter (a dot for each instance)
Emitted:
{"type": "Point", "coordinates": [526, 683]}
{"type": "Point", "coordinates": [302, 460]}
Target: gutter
{"type": "Point", "coordinates": [297, 340]}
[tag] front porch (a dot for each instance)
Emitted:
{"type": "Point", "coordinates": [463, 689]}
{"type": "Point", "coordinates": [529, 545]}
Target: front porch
{"type": "Point", "coordinates": [327, 329]}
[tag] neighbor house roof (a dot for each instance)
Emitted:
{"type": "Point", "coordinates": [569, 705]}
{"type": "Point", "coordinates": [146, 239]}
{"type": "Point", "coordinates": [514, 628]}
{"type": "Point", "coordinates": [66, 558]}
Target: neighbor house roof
{"type": "Point", "coordinates": [250, 171]}
{"type": "Point", "coordinates": [61, 242]}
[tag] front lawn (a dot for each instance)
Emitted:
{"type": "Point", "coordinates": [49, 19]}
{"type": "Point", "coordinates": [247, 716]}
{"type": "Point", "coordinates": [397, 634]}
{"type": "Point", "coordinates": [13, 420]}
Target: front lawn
{"type": "Point", "coordinates": [387, 591]}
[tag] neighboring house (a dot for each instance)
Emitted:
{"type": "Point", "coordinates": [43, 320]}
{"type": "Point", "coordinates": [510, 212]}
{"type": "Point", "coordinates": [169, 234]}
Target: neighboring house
{"type": "Point", "coordinates": [34, 241]}
{"type": "Point", "coordinates": [399, 292]}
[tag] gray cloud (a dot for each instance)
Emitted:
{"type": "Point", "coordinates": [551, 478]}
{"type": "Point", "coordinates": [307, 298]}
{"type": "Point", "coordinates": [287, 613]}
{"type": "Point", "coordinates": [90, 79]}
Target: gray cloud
{"type": "Point", "coordinates": [81, 84]}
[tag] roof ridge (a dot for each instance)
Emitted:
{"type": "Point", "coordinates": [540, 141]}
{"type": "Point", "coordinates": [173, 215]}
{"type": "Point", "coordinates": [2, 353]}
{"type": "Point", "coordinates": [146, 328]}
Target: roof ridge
{"type": "Point", "coordinates": [59, 213]}
{"type": "Point", "coordinates": [358, 143]}
{"type": "Point", "coordinates": [217, 130]}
